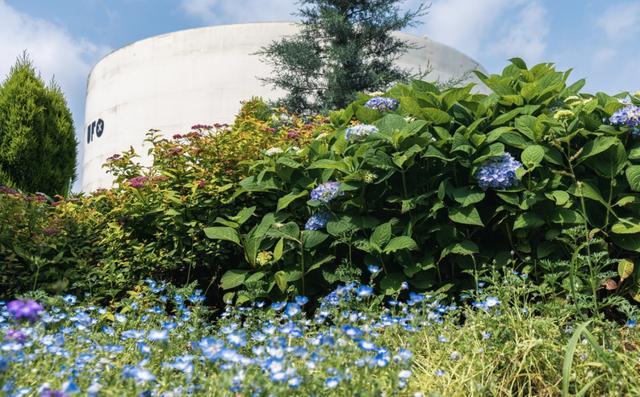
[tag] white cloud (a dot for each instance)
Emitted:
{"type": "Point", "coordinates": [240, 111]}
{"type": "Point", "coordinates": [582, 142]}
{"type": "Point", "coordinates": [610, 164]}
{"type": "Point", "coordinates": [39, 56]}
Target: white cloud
{"type": "Point", "coordinates": [500, 28]}
{"type": "Point", "coordinates": [525, 34]}
{"type": "Point", "coordinates": [234, 11]}
{"type": "Point", "coordinates": [621, 21]}
{"type": "Point", "coordinates": [55, 53]}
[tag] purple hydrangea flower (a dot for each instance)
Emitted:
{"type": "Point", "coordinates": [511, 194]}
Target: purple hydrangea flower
{"type": "Point", "coordinates": [629, 116]}
{"type": "Point", "coordinates": [25, 310]}
{"type": "Point", "coordinates": [382, 104]}
{"type": "Point", "coordinates": [317, 221]}
{"type": "Point", "coordinates": [360, 131]}
{"type": "Point", "coordinates": [498, 173]}
{"type": "Point", "coordinates": [326, 192]}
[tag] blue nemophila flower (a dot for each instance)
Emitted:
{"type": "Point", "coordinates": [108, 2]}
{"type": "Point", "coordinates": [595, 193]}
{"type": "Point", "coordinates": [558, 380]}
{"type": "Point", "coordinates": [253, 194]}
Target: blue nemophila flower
{"type": "Point", "coordinates": [158, 335]}
{"type": "Point", "coordinates": [404, 374]}
{"type": "Point", "coordinates": [301, 300]}
{"type": "Point", "coordinates": [237, 339]}
{"type": "Point", "coordinates": [278, 305]}
{"type": "Point", "coordinates": [359, 132]}
{"type": "Point", "coordinates": [183, 364]}
{"type": "Point", "coordinates": [139, 374]}
{"type": "Point", "coordinates": [364, 291]}
{"type": "Point", "coordinates": [366, 345]}
{"type": "Point", "coordinates": [631, 323]}
{"type": "Point", "coordinates": [629, 116]}
{"type": "Point", "coordinates": [492, 301]}
{"type": "Point", "coordinates": [498, 173]}
{"type": "Point", "coordinates": [326, 192]}
{"type": "Point", "coordinates": [94, 389]}
{"type": "Point", "coordinates": [317, 221]}
{"type": "Point", "coordinates": [4, 364]}
{"type": "Point", "coordinates": [70, 299]}
{"type": "Point", "coordinates": [440, 372]}
{"type": "Point", "coordinates": [382, 104]}
{"type": "Point", "coordinates": [294, 382]}
{"type": "Point", "coordinates": [373, 269]}
{"type": "Point", "coordinates": [332, 382]}
{"type": "Point", "coordinates": [292, 309]}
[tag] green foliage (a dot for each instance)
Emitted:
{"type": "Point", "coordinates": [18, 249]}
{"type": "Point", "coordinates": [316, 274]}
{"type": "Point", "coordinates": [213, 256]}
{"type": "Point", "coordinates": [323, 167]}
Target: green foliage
{"type": "Point", "coordinates": [37, 138]}
{"type": "Point", "coordinates": [410, 201]}
{"type": "Point", "coordinates": [344, 47]}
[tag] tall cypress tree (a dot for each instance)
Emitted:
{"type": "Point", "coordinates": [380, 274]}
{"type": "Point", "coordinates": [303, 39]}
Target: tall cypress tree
{"type": "Point", "coordinates": [38, 148]}
{"type": "Point", "coordinates": [344, 47]}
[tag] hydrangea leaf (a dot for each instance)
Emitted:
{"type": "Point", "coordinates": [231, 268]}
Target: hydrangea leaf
{"type": "Point", "coordinates": [233, 278]}
{"type": "Point", "coordinates": [466, 216]}
{"type": "Point", "coordinates": [222, 233]}
{"type": "Point", "coordinates": [400, 243]}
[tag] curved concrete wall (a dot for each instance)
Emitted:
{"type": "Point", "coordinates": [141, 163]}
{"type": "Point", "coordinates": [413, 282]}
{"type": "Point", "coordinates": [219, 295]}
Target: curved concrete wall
{"type": "Point", "coordinates": [199, 76]}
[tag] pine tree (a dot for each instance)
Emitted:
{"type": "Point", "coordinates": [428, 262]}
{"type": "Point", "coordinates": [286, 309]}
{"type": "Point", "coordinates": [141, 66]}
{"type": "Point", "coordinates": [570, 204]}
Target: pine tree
{"type": "Point", "coordinates": [344, 47]}
{"type": "Point", "coordinates": [38, 148]}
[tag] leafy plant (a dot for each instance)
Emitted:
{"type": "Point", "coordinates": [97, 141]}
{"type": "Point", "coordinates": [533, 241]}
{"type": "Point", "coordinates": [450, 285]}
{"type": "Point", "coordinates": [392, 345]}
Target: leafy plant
{"type": "Point", "coordinates": [449, 179]}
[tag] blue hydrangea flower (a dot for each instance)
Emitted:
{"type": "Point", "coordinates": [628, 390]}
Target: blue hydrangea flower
{"type": "Point", "coordinates": [326, 192]}
{"type": "Point", "coordinates": [629, 116]}
{"type": "Point", "coordinates": [360, 132]}
{"type": "Point", "coordinates": [317, 221]}
{"type": "Point", "coordinates": [498, 173]}
{"type": "Point", "coordinates": [382, 104]}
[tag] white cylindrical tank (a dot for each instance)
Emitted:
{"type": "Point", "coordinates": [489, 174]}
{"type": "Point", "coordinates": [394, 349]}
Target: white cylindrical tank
{"type": "Point", "coordinates": [198, 76]}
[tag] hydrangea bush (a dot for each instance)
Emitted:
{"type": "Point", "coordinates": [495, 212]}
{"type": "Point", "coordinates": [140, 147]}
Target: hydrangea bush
{"type": "Point", "coordinates": [449, 179]}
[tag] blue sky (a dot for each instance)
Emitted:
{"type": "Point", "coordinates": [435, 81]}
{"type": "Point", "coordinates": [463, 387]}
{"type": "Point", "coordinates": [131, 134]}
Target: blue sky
{"type": "Point", "coordinates": [596, 38]}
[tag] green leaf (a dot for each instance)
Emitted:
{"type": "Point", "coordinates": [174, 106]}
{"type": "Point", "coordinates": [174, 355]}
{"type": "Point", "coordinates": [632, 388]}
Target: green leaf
{"type": "Point", "coordinates": [392, 283]}
{"type": "Point", "coordinates": [532, 156]}
{"type": "Point", "coordinates": [466, 247]}
{"type": "Point", "coordinates": [530, 127]}
{"type": "Point", "coordinates": [317, 264]}
{"type": "Point", "coordinates": [278, 250]}
{"type": "Point", "coordinates": [625, 269]}
{"type": "Point", "coordinates": [244, 215]}
{"type": "Point", "coordinates": [284, 201]}
{"type": "Point", "coordinates": [437, 116]}
{"type": "Point", "coordinates": [566, 216]}
{"type": "Point", "coordinates": [281, 280]}
{"type": "Point", "coordinates": [633, 177]}
{"type": "Point", "coordinates": [528, 220]}
{"type": "Point", "coordinates": [233, 278]}
{"type": "Point", "coordinates": [381, 235]}
{"type": "Point", "coordinates": [328, 164]}
{"type": "Point", "coordinates": [313, 238]}
{"type": "Point", "coordinates": [222, 233]}
{"type": "Point", "coordinates": [630, 242]}
{"type": "Point", "coordinates": [467, 196]}
{"type": "Point", "coordinates": [400, 243]}
{"type": "Point", "coordinates": [341, 226]}
{"type": "Point", "coordinates": [504, 118]}
{"type": "Point", "coordinates": [466, 215]}
{"type": "Point", "coordinates": [626, 226]}
{"type": "Point", "coordinates": [597, 146]}
{"type": "Point", "coordinates": [559, 196]}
